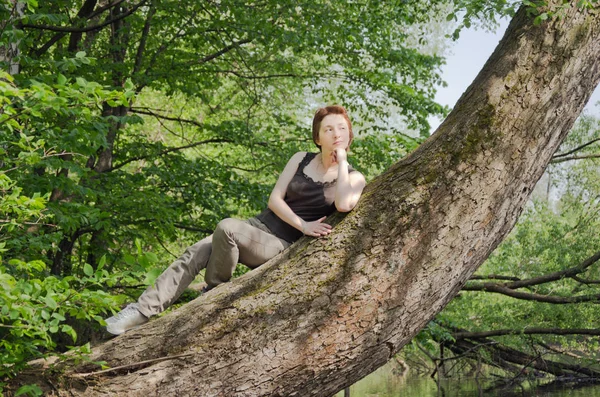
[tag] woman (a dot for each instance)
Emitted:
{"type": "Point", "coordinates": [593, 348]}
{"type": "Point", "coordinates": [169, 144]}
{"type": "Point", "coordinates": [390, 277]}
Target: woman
{"type": "Point", "coordinates": [310, 188]}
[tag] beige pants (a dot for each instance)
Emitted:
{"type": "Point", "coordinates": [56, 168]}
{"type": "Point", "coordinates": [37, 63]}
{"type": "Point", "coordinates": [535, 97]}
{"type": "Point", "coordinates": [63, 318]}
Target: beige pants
{"type": "Point", "coordinates": [248, 242]}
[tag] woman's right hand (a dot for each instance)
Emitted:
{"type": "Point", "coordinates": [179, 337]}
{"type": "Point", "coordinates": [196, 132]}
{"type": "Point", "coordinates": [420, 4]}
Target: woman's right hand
{"type": "Point", "coordinates": [316, 228]}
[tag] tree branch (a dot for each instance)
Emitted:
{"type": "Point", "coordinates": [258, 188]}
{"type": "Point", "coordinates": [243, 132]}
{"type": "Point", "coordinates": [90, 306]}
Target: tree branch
{"type": "Point", "coordinates": [170, 150]}
{"type": "Point", "coordinates": [223, 51]}
{"type": "Point", "coordinates": [576, 149]}
{"type": "Point", "coordinates": [584, 281]}
{"type": "Point", "coordinates": [68, 29]}
{"type": "Point", "coordinates": [60, 35]}
{"type": "Point", "coordinates": [84, 12]}
{"type": "Point", "coordinates": [500, 289]}
{"type": "Point", "coordinates": [494, 277]}
{"type": "Point", "coordinates": [500, 353]}
{"type": "Point", "coordinates": [192, 228]}
{"type": "Point", "coordinates": [159, 116]}
{"type": "Point", "coordinates": [582, 157]}
{"type": "Point", "coordinates": [570, 272]}
{"type": "Point", "coordinates": [259, 169]}
{"type": "Point", "coordinates": [142, 46]}
{"type": "Point", "coordinates": [272, 76]}
{"type": "Point", "coordinates": [525, 331]}
{"type": "Point", "coordinates": [132, 365]}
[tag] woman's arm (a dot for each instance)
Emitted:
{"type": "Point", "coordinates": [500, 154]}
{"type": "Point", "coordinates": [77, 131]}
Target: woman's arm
{"type": "Point", "coordinates": [282, 210]}
{"type": "Point", "coordinates": [349, 186]}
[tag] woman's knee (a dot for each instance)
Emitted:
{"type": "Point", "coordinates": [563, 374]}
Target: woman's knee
{"type": "Point", "coordinates": [227, 227]}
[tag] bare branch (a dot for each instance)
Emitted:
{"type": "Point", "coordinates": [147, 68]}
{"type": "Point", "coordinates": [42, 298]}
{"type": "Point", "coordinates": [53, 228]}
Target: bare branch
{"type": "Point", "coordinates": [567, 273]}
{"type": "Point", "coordinates": [570, 272]}
{"type": "Point", "coordinates": [502, 353]}
{"type": "Point", "coordinates": [128, 366]}
{"type": "Point", "coordinates": [494, 277]}
{"type": "Point", "coordinates": [576, 149]}
{"type": "Point", "coordinates": [560, 300]}
{"type": "Point", "coordinates": [584, 281]}
{"type": "Point", "coordinates": [564, 352]}
{"type": "Point", "coordinates": [572, 158]}
{"type": "Point", "coordinates": [526, 331]}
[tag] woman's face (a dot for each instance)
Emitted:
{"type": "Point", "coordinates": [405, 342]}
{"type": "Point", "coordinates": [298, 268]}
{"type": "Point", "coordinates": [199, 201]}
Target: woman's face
{"type": "Point", "coordinates": [334, 133]}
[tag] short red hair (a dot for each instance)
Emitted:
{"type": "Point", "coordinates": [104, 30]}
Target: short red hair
{"type": "Point", "coordinates": [321, 113]}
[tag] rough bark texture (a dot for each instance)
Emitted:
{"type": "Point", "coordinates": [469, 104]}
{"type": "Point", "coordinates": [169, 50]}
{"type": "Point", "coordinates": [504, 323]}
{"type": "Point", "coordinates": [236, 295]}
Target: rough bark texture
{"type": "Point", "coordinates": [327, 312]}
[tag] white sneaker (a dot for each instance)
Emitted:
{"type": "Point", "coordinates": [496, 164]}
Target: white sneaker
{"type": "Point", "coordinates": [126, 319]}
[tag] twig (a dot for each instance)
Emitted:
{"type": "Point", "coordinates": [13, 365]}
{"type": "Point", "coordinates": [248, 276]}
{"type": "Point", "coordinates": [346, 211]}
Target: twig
{"type": "Point", "coordinates": [582, 157]}
{"type": "Point", "coordinates": [576, 149]}
{"type": "Point", "coordinates": [154, 360]}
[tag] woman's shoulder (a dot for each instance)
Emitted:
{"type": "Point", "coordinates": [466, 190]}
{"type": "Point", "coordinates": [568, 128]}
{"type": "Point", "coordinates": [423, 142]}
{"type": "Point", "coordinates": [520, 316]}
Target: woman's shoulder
{"type": "Point", "coordinates": [300, 157]}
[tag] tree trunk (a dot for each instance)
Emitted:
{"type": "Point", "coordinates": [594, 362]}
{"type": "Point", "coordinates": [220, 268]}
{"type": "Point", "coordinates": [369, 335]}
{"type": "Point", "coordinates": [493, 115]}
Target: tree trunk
{"type": "Point", "coordinates": [10, 52]}
{"type": "Point", "coordinates": [327, 312]}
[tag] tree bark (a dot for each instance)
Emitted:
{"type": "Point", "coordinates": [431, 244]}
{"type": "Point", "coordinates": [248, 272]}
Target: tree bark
{"type": "Point", "coordinates": [10, 53]}
{"type": "Point", "coordinates": [327, 312]}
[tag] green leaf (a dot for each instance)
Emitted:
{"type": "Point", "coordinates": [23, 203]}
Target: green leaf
{"type": "Point", "coordinates": [88, 270]}
{"type": "Point", "coordinates": [58, 316]}
{"type": "Point", "coordinates": [32, 390]}
{"type": "Point", "coordinates": [151, 276]}
{"type": "Point", "coordinates": [70, 331]}
{"type": "Point", "coordinates": [50, 302]}
{"type": "Point", "coordinates": [102, 262]}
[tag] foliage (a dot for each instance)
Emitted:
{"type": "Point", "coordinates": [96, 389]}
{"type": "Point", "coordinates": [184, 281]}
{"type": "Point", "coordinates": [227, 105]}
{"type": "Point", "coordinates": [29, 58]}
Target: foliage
{"type": "Point", "coordinates": [41, 311]}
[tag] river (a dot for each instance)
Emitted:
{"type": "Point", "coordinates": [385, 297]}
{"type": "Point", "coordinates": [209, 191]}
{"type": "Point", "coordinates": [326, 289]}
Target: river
{"type": "Point", "coordinates": [385, 382]}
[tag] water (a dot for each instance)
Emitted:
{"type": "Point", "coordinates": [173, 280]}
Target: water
{"type": "Point", "coordinates": [386, 382]}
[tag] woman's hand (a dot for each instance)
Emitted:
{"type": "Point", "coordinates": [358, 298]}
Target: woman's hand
{"type": "Point", "coordinates": [316, 228]}
{"type": "Point", "coordinates": [339, 155]}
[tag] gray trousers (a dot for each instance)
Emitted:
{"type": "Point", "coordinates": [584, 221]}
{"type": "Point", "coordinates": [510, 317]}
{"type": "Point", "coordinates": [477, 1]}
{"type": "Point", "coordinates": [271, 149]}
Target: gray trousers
{"type": "Point", "coordinates": [249, 242]}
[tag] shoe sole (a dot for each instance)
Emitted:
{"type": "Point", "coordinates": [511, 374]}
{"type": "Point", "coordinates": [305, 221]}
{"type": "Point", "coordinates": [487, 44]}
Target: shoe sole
{"type": "Point", "coordinates": [120, 331]}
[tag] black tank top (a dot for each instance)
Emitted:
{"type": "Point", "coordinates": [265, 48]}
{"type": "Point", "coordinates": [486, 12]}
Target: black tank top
{"type": "Point", "coordinates": [309, 199]}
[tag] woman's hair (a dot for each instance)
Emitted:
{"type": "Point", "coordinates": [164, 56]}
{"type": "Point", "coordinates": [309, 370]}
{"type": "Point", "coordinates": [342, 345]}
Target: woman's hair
{"type": "Point", "coordinates": [326, 111]}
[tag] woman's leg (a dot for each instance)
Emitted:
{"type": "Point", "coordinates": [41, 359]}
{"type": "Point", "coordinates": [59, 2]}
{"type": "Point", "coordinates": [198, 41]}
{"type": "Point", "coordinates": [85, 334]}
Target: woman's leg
{"type": "Point", "coordinates": [175, 279]}
{"type": "Point", "coordinates": [238, 241]}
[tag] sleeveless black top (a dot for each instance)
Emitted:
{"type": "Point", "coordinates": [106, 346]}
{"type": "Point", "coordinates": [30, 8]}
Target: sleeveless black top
{"type": "Point", "coordinates": [309, 199]}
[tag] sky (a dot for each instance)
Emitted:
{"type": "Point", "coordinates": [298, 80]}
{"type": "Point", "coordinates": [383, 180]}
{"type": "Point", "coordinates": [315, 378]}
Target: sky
{"type": "Point", "coordinates": [466, 58]}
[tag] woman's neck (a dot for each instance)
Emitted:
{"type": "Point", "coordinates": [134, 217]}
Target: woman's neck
{"type": "Point", "coordinates": [326, 161]}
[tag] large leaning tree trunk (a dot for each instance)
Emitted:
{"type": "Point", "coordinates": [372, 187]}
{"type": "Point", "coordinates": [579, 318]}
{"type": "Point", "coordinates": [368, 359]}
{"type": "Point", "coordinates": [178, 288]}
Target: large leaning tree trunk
{"type": "Point", "coordinates": [327, 312]}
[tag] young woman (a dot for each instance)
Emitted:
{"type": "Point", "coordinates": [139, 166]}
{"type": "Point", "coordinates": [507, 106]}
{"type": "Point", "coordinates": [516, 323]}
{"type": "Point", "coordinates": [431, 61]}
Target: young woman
{"type": "Point", "coordinates": [310, 188]}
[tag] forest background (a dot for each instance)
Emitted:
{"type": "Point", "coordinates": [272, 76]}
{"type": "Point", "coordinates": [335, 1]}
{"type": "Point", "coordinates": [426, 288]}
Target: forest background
{"type": "Point", "coordinates": [129, 129]}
